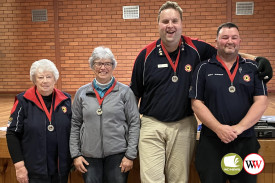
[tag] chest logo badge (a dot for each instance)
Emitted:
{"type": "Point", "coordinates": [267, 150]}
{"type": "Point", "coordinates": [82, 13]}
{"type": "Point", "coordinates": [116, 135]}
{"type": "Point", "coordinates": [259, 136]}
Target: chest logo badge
{"type": "Point", "coordinates": [246, 78]}
{"type": "Point", "coordinates": [188, 68]}
{"type": "Point", "coordinates": [64, 109]}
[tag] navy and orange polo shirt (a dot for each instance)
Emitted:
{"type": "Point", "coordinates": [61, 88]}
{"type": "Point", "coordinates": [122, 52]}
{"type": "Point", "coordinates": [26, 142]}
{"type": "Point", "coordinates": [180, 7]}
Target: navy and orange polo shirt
{"type": "Point", "coordinates": [211, 84]}
{"type": "Point", "coordinates": [152, 74]}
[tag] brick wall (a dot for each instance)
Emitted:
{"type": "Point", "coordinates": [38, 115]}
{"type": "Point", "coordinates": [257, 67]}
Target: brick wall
{"type": "Point", "coordinates": [74, 28]}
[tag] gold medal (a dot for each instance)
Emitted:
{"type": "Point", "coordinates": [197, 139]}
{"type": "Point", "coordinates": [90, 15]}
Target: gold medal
{"type": "Point", "coordinates": [50, 128]}
{"type": "Point", "coordinates": [175, 79]}
{"type": "Point", "coordinates": [99, 111]}
{"type": "Point", "coordinates": [232, 89]}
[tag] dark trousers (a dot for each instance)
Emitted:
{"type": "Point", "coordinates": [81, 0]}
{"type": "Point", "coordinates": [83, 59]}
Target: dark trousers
{"type": "Point", "coordinates": [105, 170]}
{"type": "Point", "coordinates": [56, 178]}
{"type": "Point", "coordinates": [210, 152]}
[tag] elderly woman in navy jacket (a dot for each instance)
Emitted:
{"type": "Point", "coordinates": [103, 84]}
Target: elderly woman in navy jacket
{"type": "Point", "coordinates": [39, 129]}
{"type": "Point", "coordinates": [105, 124]}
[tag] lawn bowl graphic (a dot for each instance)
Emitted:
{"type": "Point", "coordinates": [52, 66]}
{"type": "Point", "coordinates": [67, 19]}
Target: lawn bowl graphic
{"type": "Point", "coordinates": [231, 161]}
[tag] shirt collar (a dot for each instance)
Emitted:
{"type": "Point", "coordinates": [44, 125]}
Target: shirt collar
{"type": "Point", "coordinates": [160, 50]}
{"type": "Point", "coordinates": [214, 60]}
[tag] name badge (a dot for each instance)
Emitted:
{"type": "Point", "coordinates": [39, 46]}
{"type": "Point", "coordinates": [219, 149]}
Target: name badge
{"type": "Point", "coordinates": [162, 65]}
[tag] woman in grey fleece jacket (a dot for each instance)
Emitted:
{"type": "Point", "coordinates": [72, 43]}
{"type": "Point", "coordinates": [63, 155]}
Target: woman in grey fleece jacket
{"type": "Point", "coordinates": [105, 124]}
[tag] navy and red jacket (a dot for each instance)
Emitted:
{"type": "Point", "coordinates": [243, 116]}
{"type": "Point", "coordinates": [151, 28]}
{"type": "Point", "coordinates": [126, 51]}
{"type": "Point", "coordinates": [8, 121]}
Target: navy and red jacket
{"type": "Point", "coordinates": [29, 122]}
{"type": "Point", "coordinates": [152, 74]}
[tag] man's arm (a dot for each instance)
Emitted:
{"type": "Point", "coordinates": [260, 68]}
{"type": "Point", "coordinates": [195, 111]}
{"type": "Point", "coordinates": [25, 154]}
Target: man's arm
{"type": "Point", "coordinates": [253, 115]}
{"type": "Point", "coordinates": [248, 56]}
{"type": "Point", "coordinates": [137, 75]}
{"type": "Point", "coordinates": [265, 69]}
{"type": "Point", "coordinates": [225, 132]}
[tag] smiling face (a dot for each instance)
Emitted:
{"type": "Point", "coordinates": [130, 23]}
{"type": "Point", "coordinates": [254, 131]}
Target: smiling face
{"type": "Point", "coordinates": [44, 82]}
{"type": "Point", "coordinates": [228, 41]}
{"type": "Point", "coordinates": [103, 69]}
{"type": "Point", "coordinates": [170, 27]}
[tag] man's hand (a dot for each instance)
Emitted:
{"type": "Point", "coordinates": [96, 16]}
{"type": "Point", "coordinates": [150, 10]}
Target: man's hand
{"type": "Point", "coordinates": [226, 133]}
{"type": "Point", "coordinates": [238, 129]}
{"type": "Point", "coordinates": [126, 164]}
{"type": "Point", "coordinates": [265, 70]}
{"type": "Point", "coordinates": [21, 172]}
{"type": "Point", "coordinates": [78, 163]}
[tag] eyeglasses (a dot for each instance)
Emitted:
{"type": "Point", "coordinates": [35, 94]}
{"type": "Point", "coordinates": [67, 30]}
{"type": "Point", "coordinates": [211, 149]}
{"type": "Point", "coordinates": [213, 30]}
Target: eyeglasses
{"type": "Point", "coordinates": [42, 77]}
{"type": "Point", "coordinates": [106, 64]}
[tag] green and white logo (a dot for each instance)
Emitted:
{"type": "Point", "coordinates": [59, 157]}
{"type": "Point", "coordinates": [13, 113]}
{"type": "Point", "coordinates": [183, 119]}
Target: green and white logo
{"type": "Point", "coordinates": [232, 164]}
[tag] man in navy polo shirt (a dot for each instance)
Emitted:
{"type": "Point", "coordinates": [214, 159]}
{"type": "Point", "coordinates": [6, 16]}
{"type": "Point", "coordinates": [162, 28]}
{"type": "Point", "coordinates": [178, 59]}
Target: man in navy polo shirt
{"type": "Point", "coordinates": [161, 79]}
{"type": "Point", "coordinates": [229, 98]}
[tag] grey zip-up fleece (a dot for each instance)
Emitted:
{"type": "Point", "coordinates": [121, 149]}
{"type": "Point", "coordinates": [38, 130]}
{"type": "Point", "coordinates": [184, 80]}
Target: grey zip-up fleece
{"type": "Point", "coordinates": [115, 131]}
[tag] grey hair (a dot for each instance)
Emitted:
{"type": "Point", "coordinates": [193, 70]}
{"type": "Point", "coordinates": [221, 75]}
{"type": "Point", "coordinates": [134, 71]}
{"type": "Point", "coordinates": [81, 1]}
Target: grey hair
{"type": "Point", "coordinates": [42, 66]}
{"type": "Point", "coordinates": [102, 52]}
{"type": "Point", "coordinates": [168, 5]}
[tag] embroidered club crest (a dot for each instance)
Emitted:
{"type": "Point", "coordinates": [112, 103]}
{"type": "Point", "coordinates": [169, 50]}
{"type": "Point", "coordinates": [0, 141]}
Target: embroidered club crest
{"type": "Point", "coordinates": [64, 109]}
{"type": "Point", "coordinates": [246, 78]}
{"type": "Point", "coordinates": [188, 68]}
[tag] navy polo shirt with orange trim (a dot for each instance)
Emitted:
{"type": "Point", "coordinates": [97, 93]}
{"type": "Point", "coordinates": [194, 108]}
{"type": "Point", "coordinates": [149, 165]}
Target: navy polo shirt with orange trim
{"type": "Point", "coordinates": [152, 74]}
{"type": "Point", "coordinates": [211, 83]}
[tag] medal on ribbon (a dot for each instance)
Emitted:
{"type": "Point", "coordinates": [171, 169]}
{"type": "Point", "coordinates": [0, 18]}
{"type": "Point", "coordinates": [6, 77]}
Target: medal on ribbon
{"type": "Point", "coordinates": [99, 111]}
{"type": "Point", "coordinates": [174, 66]}
{"type": "Point", "coordinates": [231, 88]}
{"type": "Point", "coordinates": [48, 114]}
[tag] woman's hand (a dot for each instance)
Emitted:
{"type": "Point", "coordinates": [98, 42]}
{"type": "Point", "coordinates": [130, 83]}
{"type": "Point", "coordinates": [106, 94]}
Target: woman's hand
{"type": "Point", "coordinates": [78, 163]}
{"type": "Point", "coordinates": [126, 164]}
{"type": "Point", "coordinates": [21, 172]}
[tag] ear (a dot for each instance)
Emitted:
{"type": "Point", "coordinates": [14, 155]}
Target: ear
{"type": "Point", "coordinates": [216, 41]}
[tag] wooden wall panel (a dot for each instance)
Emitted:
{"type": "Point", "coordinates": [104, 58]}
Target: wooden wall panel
{"type": "Point", "coordinates": [7, 171]}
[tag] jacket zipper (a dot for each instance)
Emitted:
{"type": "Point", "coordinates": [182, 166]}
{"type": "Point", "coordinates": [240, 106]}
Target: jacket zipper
{"type": "Point", "coordinates": [101, 133]}
{"type": "Point", "coordinates": [45, 129]}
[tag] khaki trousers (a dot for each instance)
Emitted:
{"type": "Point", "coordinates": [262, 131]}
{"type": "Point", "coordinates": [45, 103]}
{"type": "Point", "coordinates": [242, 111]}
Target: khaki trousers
{"type": "Point", "coordinates": [166, 149]}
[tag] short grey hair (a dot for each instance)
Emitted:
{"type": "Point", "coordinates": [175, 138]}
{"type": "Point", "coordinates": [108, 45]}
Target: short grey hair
{"type": "Point", "coordinates": [102, 52]}
{"type": "Point", "coordinates": [42, 66]}
{"type": "Point", "coordinates": [170, 5]}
